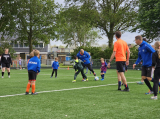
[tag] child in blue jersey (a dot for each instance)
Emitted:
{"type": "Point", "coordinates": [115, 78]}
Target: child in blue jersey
{"type": "Point", "coordinates": [103, 68]}
{"type": "Point", "coordinates": [33, 70]}
{"type": "Point", "coordinates": [55, 66]}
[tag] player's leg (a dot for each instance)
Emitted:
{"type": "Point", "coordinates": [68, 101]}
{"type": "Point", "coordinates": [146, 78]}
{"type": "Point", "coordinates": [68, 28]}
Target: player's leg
{"type": "Point", "coordinates": [55, 73]}
{"type": "Point", "coordinates": [87, 70]}
{"type": "Point", "coordinates": [121, 70]}
{"type": "Point", "coordinates": [33, 83]}
{"type": "Point", "coordinates": [52, 73]}
{"type": "Point", "coordinates": [8, 70]}
{"type": "Point", "coordinates": [3, 69]}
{"type": "Point", "coordinates": [118, 75]}
{"type": "Point", "coordinates": [28, 87]}
{"type": "Point", "coordinates": [90, 68]}
{"type": "Point", "coordinates": [75, 76]}
{"type": "Point", "coordinates": [147, 73]}
{"type": "Point", "coordinates": [83, 74]}
{"type": "Point", "coordinates": [156, 83]}
{"type": "Point", "coordinates": [102, 75]}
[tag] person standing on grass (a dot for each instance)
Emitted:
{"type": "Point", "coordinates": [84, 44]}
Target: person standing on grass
{"type": "Point", "coordinates": [55, 66]}
{"type": "Point", "coordinates": [20, 63]}
{"type": "Point", "coordinates": [91, 62]}
{"type": "Point", "coordinates": [103, 68]}
{"type": "Point", "coordinates": [78, 66]}
{"type": "Point", "coordinates": [119, 52]}
{"type": "Point", "coordinates": [145, 52]}
{"type": "Point", "coordinates": [156, 64]}
{"type": "Point", "coordinates": [5, 62]}
{"type": "Point", "coordinates": [33, 70]}
{"type": "Point", "coordinates": [84, 56]}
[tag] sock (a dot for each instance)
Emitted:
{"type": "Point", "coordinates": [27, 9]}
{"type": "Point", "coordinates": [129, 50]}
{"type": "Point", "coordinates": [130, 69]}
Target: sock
{"type": "Point", "coordinates": [148, 84]}
{"type": "Point", "coordinates": [2, 73]}
{"type": "Point", "coordinates": [102, 76]}
{"type": "Point", "coordinates": [33, 88]}
{"type": "Point", "coordinates": [8, 73]}
{"type": "Point", "coordinates": [126, 86]}
{"type": "Point", "coordinates": [28, 87]}
{"type": "Point", "coordinates": [119, 83]}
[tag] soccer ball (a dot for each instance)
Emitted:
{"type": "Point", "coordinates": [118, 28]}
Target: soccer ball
{"type": "Point", "coordinates": [96, 78]}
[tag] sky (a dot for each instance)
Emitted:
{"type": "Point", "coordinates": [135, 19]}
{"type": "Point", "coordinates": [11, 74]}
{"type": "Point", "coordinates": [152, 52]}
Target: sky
{"type": "Point", "coordinates": [127, 36]}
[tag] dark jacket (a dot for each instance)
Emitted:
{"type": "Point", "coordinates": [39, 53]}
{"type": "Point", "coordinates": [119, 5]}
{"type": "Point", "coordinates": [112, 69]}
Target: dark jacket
{"type": "Point", "coordinates": [155, 60]}
{"type": "Point", "coordinates": [78, 65]}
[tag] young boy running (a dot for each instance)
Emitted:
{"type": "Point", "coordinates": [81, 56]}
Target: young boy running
{"type": "Point", "coordinates": [33, 70]}
{"type": "Point", "coordinates": [78, 68]}
{"type": "Point", "coordinates": [55, 66]}
{"type": "Point", "coordinates": [103, 68]}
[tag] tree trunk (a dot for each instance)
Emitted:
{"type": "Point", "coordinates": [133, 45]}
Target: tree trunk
{"type": "Point", "coordinates": [110, 35]}
{"type": "Point", "coordinates": [110, 38]}
{"type": "Point", "coordinates": [30, 43]}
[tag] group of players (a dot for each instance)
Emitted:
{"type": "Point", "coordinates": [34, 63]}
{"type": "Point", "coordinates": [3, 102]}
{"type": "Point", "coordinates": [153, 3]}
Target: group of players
{"type": "Point", "coordinates": [149, 55]}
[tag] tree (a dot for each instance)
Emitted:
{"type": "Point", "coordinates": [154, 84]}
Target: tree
{"type": "Point", "coordinates": [35, 21]}
{"type": "Point", "coordinates": [6, 45]}
{"type": "Point", "coordinates": [7, 10]}
{"type": "Point", "coordinates": [74, 30]}
{"type": "Point", "coordinates": [110, 15]}
{"type": "Point", "coordinates": [148, 20]}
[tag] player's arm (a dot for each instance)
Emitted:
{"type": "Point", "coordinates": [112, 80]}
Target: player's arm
{"type": "Point", "coordinates": [111, 58]}
{"type": "Point", "coordinates": [38, 67]}
{"type": "Point", "coordinates": [154, 60]}
{"type": "Point", "coordinates": [88, 56]}
{"type": "Point", "coordinates": [138, 60]}
{"type": "Point", "coordinates": [150, 48]}
{"type": "Point", "coordinates": [128, 56]}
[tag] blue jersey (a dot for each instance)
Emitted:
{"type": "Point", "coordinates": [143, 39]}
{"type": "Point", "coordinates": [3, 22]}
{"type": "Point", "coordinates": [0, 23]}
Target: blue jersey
{"type": "Point", "coordinates": [145, 52]}
{"type": "Point", "coordinates": [55, 65]}
{"type": "Point", "coordinates": [84, 57]}
{"type": "Point", "coordinates": [34, 64]}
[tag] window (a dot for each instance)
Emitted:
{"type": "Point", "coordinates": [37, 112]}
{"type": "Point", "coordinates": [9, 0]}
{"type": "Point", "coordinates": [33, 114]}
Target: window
{"type": "Point", "coordinates": [21, 45]}
{"type": "Point", "coordinates": [16, 45]}
{"type": "Point", "coordinates": [41, 45]}
{"type": "Point", "coordinates": [25, 45]}
{"type": "Point", "coordinates": [36, 46]}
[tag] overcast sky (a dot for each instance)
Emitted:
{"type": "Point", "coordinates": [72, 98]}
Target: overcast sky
{"type": "Point", "coordinates": [127, 36]}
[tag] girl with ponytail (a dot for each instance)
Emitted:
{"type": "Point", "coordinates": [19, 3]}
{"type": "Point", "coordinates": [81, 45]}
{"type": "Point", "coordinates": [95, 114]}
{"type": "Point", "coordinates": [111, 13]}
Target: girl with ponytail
{"type": "Point", "coordinates": [156, 64]}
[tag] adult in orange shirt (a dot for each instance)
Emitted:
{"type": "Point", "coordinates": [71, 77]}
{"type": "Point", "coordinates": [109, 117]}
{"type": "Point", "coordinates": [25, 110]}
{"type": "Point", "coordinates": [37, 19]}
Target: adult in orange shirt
{"type": "Point", "coordinates": [119, 52]}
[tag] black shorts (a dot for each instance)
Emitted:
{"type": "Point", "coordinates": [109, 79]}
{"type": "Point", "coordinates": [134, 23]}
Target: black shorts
{"type": "Point", "coordinates": [146, 71]}
{"type": "Point", "coordinates": [32, 75]}
{"type": "Point", "coordinates": [7, 65]}
{"type": "Point", "coordinates": [121, 66]}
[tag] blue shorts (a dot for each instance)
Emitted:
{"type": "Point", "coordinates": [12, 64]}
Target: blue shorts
{"type": "Point", "coordinates": [103, 72]}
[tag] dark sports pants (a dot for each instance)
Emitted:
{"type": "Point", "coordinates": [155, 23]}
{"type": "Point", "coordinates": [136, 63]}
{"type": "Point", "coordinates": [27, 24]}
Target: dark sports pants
{"type": "Point", "coordinates": [89, 67]}
{"type": "Point", "coordinates": [156, 81]}
{"type": "Point", "coordinates": [54, 70]}
{"type": "Point", "coordinates": [82, 72]}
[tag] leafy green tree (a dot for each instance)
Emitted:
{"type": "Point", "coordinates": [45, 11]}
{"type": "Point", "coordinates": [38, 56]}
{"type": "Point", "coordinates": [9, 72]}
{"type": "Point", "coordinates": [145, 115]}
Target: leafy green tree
{"type": "Point", "coordinates": [73, 30]}
{"type": "Point", "coordinates": [35, 21]}
{"type": "Point", "coordinates": [109, 15]}
{"type": "Point", "coordinates": [148, 21]}
{"type": "Point", "coordinates": [6, 45]}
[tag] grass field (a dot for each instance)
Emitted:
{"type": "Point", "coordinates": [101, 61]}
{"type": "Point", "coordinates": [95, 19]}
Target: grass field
{"type": "Point", "coordinates": [59, 98]}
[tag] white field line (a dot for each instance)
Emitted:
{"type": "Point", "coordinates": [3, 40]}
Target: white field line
{"type": "Point", "coordinates": [62, 90]}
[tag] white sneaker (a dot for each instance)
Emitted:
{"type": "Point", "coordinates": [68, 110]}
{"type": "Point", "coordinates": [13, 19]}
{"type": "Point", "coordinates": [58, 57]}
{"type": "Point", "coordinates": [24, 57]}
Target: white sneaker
{"type": "Point", "coordinates": [154, 97]}
{"type": "Point", "coordinates": [2, 77]}
{"type": "Point", "coordinates": [8, 76]}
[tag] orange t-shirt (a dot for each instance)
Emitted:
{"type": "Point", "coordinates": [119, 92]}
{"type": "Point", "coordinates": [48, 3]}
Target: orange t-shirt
{"type": "Point", "coordinates": [120, 47]}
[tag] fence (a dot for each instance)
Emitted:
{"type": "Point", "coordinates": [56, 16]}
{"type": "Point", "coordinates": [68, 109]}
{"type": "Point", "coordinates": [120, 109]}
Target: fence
{"type": "Point", "coordinates": [46, 63]}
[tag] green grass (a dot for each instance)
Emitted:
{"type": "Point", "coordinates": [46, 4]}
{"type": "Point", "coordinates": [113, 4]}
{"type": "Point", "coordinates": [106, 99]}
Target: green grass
{"type": "Point", "coordinates": [103, 102]}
